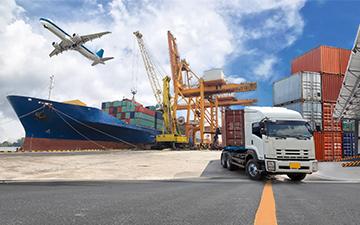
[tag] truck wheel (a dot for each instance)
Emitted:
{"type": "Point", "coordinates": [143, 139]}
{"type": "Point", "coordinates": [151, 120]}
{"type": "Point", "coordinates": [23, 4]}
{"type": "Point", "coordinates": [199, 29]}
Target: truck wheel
{"type": "Point", "coordinates": [229, 164]}
{"type": "Point", "coordinates": [296, 176]}
{"type": "Point", "coordinates": [223, 160]}
{"type": "Point", "coordinates": [253, 169]}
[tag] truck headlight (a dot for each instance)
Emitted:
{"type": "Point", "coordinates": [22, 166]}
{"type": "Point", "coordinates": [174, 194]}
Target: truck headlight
{"type": "Point", "coordinates": [314, 166]}
{"type": "Point", "coordinates": [270, 165]}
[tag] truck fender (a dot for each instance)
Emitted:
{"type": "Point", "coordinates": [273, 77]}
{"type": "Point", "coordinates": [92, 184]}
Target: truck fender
{"type": "Point", "coordinates": [251, 154]}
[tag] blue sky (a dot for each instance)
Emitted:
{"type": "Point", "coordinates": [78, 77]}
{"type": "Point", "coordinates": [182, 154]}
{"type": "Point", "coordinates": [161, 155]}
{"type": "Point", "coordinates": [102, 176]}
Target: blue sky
{"type": "Point", "coordinates": [332, 23]}
{"type": "Point", "coordinates": [252, 40]}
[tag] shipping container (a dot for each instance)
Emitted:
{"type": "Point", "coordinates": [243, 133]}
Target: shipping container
{"type": "Point", "coordinates": [328, 145]}
{"type": "Point", "coordinates": [328, 122]}
{"type": "Point", "coordinates": [323, 59]}
{"type": "Point", "coordinates": [300, 86]}
{"type": "Point", "coordinates": [213, 74]}
{"type": "Point", "coordinates": [311, 111]}
{"type": "Point", "coordinates": [331, 85]}
{"type": "Point", "coordinates": [234, 128]}
{"type": "Point", "coordinates": [349, 143]}
{"type": "Point", "coordinates": [344, 60]}
{"type": "Point", "coordinates": [348, 125]}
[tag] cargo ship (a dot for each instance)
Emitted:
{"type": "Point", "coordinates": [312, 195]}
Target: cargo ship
{"type": "Point", "coordinates": [51, 125]}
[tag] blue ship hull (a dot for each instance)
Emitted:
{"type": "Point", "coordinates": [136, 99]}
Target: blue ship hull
{"type": "Point", "coordinates": [51, 125]}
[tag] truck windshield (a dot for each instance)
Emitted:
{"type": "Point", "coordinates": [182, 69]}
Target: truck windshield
{"type": "Point", "coordinates": [283, 128]}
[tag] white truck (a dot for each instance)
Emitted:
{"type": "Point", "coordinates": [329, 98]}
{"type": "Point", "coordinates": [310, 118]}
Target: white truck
{"type": "Point", "coordinates": [268, 140]}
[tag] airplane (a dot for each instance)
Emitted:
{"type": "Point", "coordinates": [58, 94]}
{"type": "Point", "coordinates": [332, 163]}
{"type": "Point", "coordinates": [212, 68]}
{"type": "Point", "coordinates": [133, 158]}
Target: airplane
{"type": "Point", "coordinates": [75, 42]}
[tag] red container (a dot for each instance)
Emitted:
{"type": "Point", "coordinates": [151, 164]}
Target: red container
{"type": "Point", "coordinates": [111, 110]}
{"type": "Point", "coordinates": [234, 128]}
{"type": "Point", "coordinates": [344, 59]}
{"type": "Point", "coordinates": [145, 110]}
{"type": "Point", "coordinates": [328, 121]}
{"type": "Point", "coordinates": [330, 86]}
{"type": "Point", "coordinates": [119, 109]}
{"type": "Point", "coordinates": [123, 115]}
{"type": "Point", "coordinates": [324, 59]}
{"type": "Point", "coordinates": [328, 145]}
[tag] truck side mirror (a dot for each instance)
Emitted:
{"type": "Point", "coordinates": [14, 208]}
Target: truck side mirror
{"type": "Point", "coordinates": [262, 130]}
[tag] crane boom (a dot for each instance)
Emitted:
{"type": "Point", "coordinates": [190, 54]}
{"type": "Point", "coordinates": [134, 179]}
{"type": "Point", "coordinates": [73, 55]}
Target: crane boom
{"type": "Point", "coordinates": [150, 69]}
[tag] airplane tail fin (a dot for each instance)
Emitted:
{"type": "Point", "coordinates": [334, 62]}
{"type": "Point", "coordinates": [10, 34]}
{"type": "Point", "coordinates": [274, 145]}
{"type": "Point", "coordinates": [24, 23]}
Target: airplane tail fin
{"type": "Point", "coordinates": [100, 53]}
{"type": "Point", "coordinates": [102, 60]}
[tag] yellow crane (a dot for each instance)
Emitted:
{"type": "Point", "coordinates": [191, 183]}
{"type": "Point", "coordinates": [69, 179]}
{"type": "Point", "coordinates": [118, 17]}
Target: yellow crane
{"type": "Point", "coordinates": [170, 135]}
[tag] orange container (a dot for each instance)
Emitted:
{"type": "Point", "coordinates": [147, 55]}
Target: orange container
{"type": "Point", "coordinates": [323, 59]}
{"type": "Point", "coordinates": [328, 145]}
{"type": "Point", "coordinates": [328, 121]}
{"type": "Point", "coordinates": [344, 59]}
{"type": "Point", "coordinates": [330, 86]}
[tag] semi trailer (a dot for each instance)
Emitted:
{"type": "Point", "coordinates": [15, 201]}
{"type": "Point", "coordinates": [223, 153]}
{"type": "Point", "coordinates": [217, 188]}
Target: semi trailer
{"type": "Point", "coordinates": [268, 140]}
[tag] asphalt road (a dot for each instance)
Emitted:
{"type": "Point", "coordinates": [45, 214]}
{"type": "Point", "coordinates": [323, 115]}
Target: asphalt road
{"type": "Point", "coordinates": [199, 201]}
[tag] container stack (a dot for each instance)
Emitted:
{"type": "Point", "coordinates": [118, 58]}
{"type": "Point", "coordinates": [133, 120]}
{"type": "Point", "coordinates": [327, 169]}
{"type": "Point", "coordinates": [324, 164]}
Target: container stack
{"type": "Point", "coordinates": [301, 92]}
{"type": "Point", "coordinates": [132, 112]}
{"type": "Point", "coordinates": [329, 64]}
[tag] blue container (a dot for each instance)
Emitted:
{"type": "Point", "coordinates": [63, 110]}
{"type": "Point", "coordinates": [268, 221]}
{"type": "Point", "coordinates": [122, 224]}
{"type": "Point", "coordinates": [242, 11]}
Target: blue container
{"type": "Point", "coordinates": [349, 144]}
{"type": "Point", "coordinates": [132, 115]}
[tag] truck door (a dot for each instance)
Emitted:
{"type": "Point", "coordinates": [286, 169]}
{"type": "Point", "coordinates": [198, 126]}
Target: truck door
{"type": "Point", "coordinates": [256, 138]}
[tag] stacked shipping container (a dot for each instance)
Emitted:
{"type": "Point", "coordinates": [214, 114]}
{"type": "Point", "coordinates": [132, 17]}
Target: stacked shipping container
{"type": "Point", "coordinates": [132, 112]}
{"type": "Point", "coordinates": [330, 64]}
{"type": "Point", "coordinates": [349, 138]}
{"type": "Point", "coordinates": [301, 92]}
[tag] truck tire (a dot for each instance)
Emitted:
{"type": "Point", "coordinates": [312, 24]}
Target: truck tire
{"type": "Point", "coordinates": [229, 164]}
{"type": "Point", "coordinates": [223, 160]}
{"type": "Point", "coordinates": [296, 176]}
{"type": "Point", "coordinates": [253, 169]}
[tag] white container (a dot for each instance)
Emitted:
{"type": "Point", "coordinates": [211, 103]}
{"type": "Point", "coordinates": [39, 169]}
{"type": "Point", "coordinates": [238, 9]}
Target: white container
{"type": "Point", "coordinates": [300, 86]}
{"type": "Point", "coordinates": [310, 110]}
{"type": "Point", "coordinates": [213, 74]}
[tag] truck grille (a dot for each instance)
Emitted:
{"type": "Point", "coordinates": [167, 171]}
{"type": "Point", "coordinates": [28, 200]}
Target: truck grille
{"type": "Point", "coordinates": [292, 153]}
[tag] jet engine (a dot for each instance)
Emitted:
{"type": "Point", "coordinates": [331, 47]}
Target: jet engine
{"type": "Point", "coordinates": [56, 45]}
{"type": "Point", "coordinates": [76, 38]}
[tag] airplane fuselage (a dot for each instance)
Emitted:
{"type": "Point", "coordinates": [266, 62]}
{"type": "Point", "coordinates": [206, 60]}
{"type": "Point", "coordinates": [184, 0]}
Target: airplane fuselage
{"type": "Point", "coordinates": [60, 33]}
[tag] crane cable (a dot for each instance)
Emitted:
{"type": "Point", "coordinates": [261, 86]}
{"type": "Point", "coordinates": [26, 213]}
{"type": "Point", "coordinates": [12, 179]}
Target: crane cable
{"type": "Point", "coordinates": [100, 131]}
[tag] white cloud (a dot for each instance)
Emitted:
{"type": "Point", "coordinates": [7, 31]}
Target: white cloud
{"type": "Point", "coordinates": [208, 34]}
{"type": "Point", "coordinates": [265, 68]}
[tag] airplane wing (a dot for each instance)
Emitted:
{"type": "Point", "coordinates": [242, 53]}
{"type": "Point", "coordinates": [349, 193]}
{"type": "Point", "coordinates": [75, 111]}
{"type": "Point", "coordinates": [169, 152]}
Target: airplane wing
{"type": "Point", "coordinates": [62, 46]}
{"type": "Point", "coordinates": [90, 37]}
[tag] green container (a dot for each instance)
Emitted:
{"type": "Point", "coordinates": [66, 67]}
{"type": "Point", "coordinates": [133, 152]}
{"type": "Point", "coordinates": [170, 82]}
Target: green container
{"type": "Point", "coordinates": [348, 125]}
{"type": "Point", "coordinates": [116, 103]}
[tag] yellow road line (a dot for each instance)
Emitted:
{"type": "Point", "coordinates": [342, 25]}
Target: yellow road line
{"type": "Point", "coordinates": [266, 213]}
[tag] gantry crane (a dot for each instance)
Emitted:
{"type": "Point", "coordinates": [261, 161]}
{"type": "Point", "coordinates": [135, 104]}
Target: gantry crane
{"type": "Point", "coordinates": [170, 135]}
{"type": "Point", "coordinates": [198, 95]}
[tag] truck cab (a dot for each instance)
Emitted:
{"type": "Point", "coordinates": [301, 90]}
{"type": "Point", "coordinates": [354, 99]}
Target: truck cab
{"type": "Point", "coordinates": [276, 141]}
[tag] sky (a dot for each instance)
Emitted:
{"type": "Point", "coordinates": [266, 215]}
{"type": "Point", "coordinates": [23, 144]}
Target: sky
{"type": "Point", "coordinates": [252, 40]}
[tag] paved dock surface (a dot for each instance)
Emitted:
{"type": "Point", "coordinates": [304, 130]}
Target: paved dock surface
{"type": "Point", "coordinates": [198, 201]}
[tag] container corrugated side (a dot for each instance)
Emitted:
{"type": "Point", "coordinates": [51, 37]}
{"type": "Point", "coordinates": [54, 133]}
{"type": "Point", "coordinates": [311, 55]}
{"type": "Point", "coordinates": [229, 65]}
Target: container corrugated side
{"type": "Point", "coordinates": [344, 59]}
{"type": "Point", "coordinates": [348, 125]}
{"type": "Point", "coordinates": [349, 144]}
{"type": "Point", "coordinates": [331, 85]}
{"type": "Point", "coordinates": [329, 123]}
{"type": "Point", "coordinates": [301, 86]}
{"type": "Point", "coordinates": [328, 145]}
{"type": "Point", "coordinates": [234, 128]}
{"type": "Point", "coordinates": [309, 61]}
{"type": "Point", "coordinates": [324, 59]}
{"type": "Point", "coordinates": [311, 111]}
